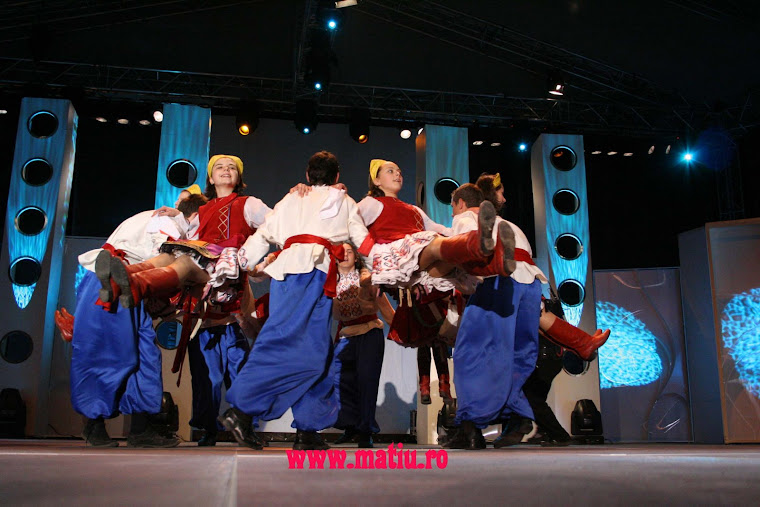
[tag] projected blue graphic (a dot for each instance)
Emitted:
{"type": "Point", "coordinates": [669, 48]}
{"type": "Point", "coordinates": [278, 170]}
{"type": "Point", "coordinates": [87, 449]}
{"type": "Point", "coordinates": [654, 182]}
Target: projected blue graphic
{"type": "Point", "coordinates": [740, 328]}
{"type": "Point", "coordinates": [45, 197]}
{"type": "Point", "coordinates": [629, 358]}
{"type": "Point", "coordinates": [81, 271]}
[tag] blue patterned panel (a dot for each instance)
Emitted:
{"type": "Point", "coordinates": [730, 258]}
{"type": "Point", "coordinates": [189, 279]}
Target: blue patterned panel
{"type": "Point", "coordinates": [740, 328]}
{"type": "Point", "coordinates": [446, 155]}
{"type": "Point", "coordinates": [185, 135]}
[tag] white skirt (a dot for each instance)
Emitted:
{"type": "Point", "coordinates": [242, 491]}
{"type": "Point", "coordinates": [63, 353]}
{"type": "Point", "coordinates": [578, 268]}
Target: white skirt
{"type": "Point", "coordinates": [397, 265]}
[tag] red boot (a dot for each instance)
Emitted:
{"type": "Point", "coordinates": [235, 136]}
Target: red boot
{"type": "Point", "coordinates": [156, 282]}
{"type": "Point", "coordinates": [502, 262]}
{"type": "Point", "coordinates": [109, 290]}
{"type": "Point", "coordinates": [444, 387]}
{"type": "Point", "coordinates": [577, 340]}
{"type": "Point", "coordinates": [474, 246]}
{"type": "Point", "coordinates": [425, 390]}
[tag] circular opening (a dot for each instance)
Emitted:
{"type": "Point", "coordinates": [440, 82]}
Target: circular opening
{"type": "Point", "coordinates": [571, 292]}
{"type": "Point", "coordinates": [568, 246]}
{"type": "Point", "coordinates": [25, 271]}
{"type": "Point", "coordinates": [420, 194]}
{"type": "Point", "coordinates": [16, 347]}
{"type": "Point", "coordinates": [31, 220]}
{"type": "Point", "coordinates": [37, 172]}
{"type": "Point", "coordinates": [573, 365]}
{"type": "Point", "coordinates": [168, 335]}
{"type": "Point", "coordinates": [566, 201]}
{"type": "Point", "coordinates": [444, 188]}
{"type": "Point", "coordinates": [181, 173]}
{"type": "Point", "coordinates": [42, 124]}
{"type": "Point", "coordinates": [563, 158]}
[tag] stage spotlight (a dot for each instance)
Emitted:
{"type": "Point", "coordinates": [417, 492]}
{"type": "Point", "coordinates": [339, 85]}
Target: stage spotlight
{"type": "Point", "coordinates": [477, 143]}
{"type": "Point", "coordinates": [667, 150]}
{"type": "Point", "coordinates": [688, 157]}
{"type": "Point", "coordinates": [144, 122]}
{"type": "Point", "coordinates": [158, 116]}
{"type": "Point", "coordinates": [628, 154]}
{"type": "Point", "coordinates": [101, 119]}
{"type": "Point", "coordinates": [495, 144]}
{"type": "Point", "coordinates": [122, 121]}
{"type": "Point", "coordinates": [555, 83]}
{"type": "Point", "coordinates": [611, 153]}
{"type": "Point", "coordinates": [318, 59]}
{"type": "Point", "coordinates": [522, 147]}
{"type": "Point", "coordinates": [306, 116]}
{"type": "Point", "coordinates": [247, 120]}
{"type": "Point", "coordinates": [345, 3]}
{"type": "Point", "coordinates": [651, 150]}
{"type": "Point", "coordinates": [420, 131]}
{"type": "Point", "coordinates": [596, 152]}
{"type": "Point", "coordinates": [405, 134]}
{"type": "Point", "coordinates": [358, 127]}
{"type": "Point", "coordinates": [317, 85]}
{"type": "Point", "coordinates": [3, 111]}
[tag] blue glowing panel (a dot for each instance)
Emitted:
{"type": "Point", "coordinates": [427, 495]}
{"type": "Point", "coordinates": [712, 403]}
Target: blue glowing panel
{"type": "Point", "coordinates": [740, 328]}
{"type": "Point", "coordinates": [185, 135]}
{"type": "Point", "coordinates": [81, 271]}
{"type": "Point", "coordinates": [20, 195]}
{"type": "Point", "coordinates": [629, 358]}
{"type": "Point", "coordinates": [446, 156]}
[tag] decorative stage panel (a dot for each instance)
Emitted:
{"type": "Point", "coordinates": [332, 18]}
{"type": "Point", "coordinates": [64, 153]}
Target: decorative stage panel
{"type": "Point", "coordinates": [560, 208]}
{"type": "Point", "coordinates": [642, 367]}
{"type": "Point", "coordinates": [720, 266]}
{"type": "Point", "coordinates": [37, 208]}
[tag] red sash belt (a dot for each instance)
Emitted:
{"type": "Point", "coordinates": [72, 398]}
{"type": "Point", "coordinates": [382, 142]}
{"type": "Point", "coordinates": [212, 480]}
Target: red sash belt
{"type": "Point", "coordinates": [337, 253]}
{"type": "Point", "coordinates": [121, 254]}
{"type": "Point", "coordinates": [523, 255]}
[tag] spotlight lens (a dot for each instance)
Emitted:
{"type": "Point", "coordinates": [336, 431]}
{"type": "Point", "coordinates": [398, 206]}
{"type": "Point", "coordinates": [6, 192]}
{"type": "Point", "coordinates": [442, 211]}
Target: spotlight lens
{"type": "Point", "coordinates": [317, 86]}
{"type": "Point", "coordinates": [144, 122]}
{"type": "Point", "coordinates": [495, 144]}
{"type": "Point", "coordinates": [523, 147]}
{"type": "Point", "coordinates": [101, 119]}
{"type": "Point", "coordinates": [122, 121]}
{"type": "Point", "coordinates": [363, 138]}
{"type": "Point", "coordinates": [244, 130]}
{"type": "Point", "coordinates": [688, 157]}
{"type": "Point", "coordinates": [332, 24]}
{"type": "Point", "coordinates": [3, 111]}
{"type": "Point", "coordinates": [405, 134]}
{"type": "Point", "coordinates": [477, 143]}
{"type": "Point", "coordinates": [306, 130]}
{"type": "Point", "coordinates": [420, 130]}
{"type": "Point", "coordinates": [158, 116]}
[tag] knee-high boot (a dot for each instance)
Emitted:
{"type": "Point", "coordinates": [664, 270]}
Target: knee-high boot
{"type": "Point", "coordinates": [156, 282]}
{"type": "Point", "coordinates": [577, 340]}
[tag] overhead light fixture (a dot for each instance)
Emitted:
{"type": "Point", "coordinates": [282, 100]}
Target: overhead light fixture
{"type": "Point", "coordinates": [144, 122]}
{"type": "Point", "coordinates": [667, 150]}
{"type": "Point", "coordinates": [522, 147]}
{"type": "Point", "coordinates": [317, 74]}
{"type": "Point", "coordinates": [651, 150]}
{"type": "Point", "coordinates": [555, 83]}
{"type": "Point", "coordinates": [420, 131]}
{"type": "Point", "coordinates": [358, 126]}
{"type": "Point", "coordinates": [477, 143]}
{"type": "Point", "coordinates": [101, 119]}
{"type": "Point", "coordinates": [495, 144]}
{"type": "Point", "coordinates": [247, 119]}
{"type": "Point", "coordinates": [158, 116]}
{"type": "Point", "coordinates": [306, 116]}
{"type": "Point", "coordinates": [688, 157]}
{"type": "Point", "coordinates": [405, 134]}
{"type": "Point", "coordinates": [611, 153]}
{"type": "Point", "coordinates": [596, 152]}
{"type": "Point", "coordinates": [3, 111]}
{"type": "Point", "coordinates": [628, 154]}
{"type": "Point", "coordinates": [345, 3]}
{"type": "Point", "coordinates": [122, 121]}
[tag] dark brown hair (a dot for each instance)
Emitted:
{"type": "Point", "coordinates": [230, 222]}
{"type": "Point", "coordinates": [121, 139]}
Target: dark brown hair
{"type": "Point", "coordinates": [191, 204]}
{"type": "Point", "coordinates": [239, 189]}
{"type": "Point", "coordinates": [470, 193]}
{"type": "Point", "coordinates": [485, 183]}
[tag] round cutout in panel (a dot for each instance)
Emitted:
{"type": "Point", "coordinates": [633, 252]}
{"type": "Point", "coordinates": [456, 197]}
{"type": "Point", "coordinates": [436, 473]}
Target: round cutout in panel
{"type": "Point", "coordinates": [420, 194]}
{"type": "Point", "coordinates": [16, 347]}
{"type": "Point", "coordinates": [30, 220]}
{"type": "Point", "coordinates": [566, 202]}
{"type": "Point", "coordinates": [571, 292]}
{"type": "Point", "coordinates": [444, 188]}
{"type": "Point", "coordinates": [181, 173]}
{"type": "Point", "coordinates": [37, 172]}
{"type": "Point", "coordinates": [568, 246]}
{"type": "Point", "coordinates": [563, 158]}
{"type": "Point", "coordinates": [25, 271]}
{"type": "Point", "coordinates": [42, 124]}
{"type": "Point", "coordinates": [573, 365]}
{"type": "Point", "coordinates": [167, 335]}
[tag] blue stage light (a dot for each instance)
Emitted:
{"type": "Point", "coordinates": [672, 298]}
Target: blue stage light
{"type": "Point", "coordinates": [629, 358]}
{"type": "Point", "coordinates": [522, 147]}
{"type": "Point", "coordinates": [332, 24]}
{"type": "Point", "coordinates": [688, 157]}
{"type": "Point", "coordinates": [317, 85]}
{"type": "Point", "coordinates": [81, 271]}
{"type": "Point", "coordinates": [306, 130]}
{"type": "Point", "coordinates": [740, 329]}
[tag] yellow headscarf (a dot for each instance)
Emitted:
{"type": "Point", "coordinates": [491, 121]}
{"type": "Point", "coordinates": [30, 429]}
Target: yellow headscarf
{"type": "Point", "coordinates": [215, 158]}
{"type": "Point", "coordinates": [496, 181]}
{"type": "Point", "coordinates": [193, 189]}
{"type": "Point", "coordinates": [374, 166]}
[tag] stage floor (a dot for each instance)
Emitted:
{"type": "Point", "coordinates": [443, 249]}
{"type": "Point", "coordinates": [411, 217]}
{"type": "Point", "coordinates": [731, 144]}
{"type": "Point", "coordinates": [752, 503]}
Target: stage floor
{"type": "Point", "coordinates": [65, 472]}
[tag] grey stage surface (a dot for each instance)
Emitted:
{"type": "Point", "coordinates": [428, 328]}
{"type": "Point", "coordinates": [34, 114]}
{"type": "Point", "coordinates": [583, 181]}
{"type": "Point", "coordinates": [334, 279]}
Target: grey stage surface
{"type": "Point", "coordinates": [58, 472]}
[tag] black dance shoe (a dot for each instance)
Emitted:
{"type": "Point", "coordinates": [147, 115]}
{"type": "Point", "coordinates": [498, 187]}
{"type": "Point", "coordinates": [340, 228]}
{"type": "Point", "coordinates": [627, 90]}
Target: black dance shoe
{"type": "Point", "coordinates": [468, 436]}
{"type": "Point", "coordinates": [151, 439]}
{"type": "Point", "coordinates": [240, 425]}
{"type": "Point", "coordinates": [309, 441]}
{"type": "Point", "coordinates": [365, 441]}
{"type": "Point", "coordinates": [513, 433]}
{"type": "Point", "coordinates": [95, 434]}
{"type": "Point", "coordinates": [207, 440]}
{"type": "Point", "coordinates": [347, 437]}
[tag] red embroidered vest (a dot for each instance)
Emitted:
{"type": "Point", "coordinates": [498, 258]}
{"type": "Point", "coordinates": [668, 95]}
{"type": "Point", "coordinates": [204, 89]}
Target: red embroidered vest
{"type": "Point", "coordinates": [396, 221]}
{"type": "Point", "coordinates": [222, 221]}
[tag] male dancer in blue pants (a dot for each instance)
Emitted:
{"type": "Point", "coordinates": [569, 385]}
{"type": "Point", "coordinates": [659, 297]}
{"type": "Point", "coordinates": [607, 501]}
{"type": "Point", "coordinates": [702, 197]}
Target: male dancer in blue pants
{"type": "Point", "coordinates": [290, 363]}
